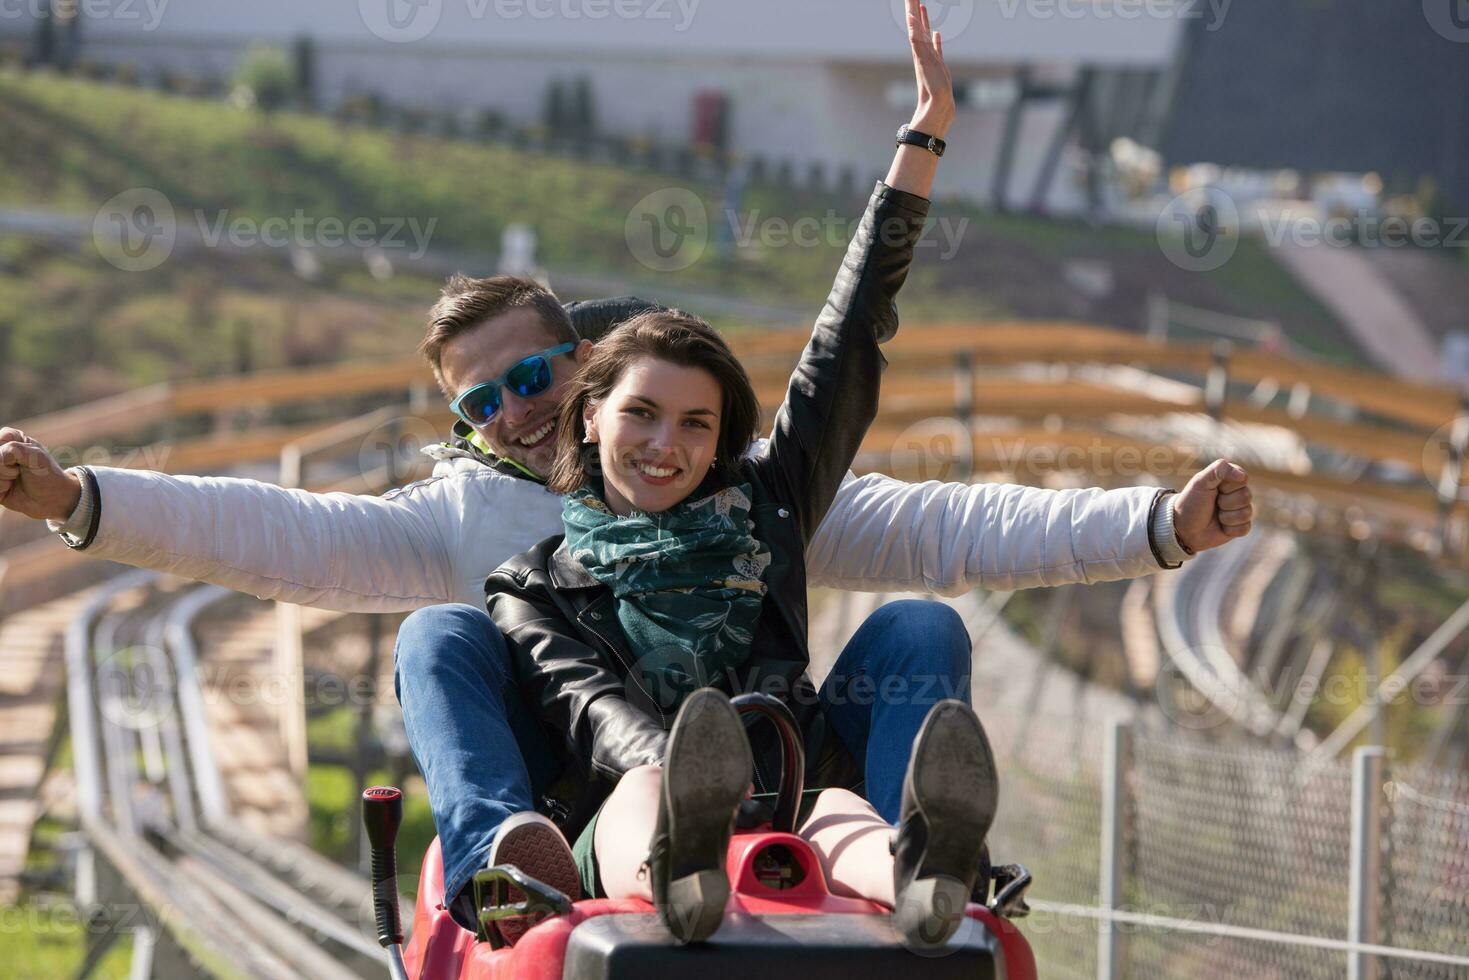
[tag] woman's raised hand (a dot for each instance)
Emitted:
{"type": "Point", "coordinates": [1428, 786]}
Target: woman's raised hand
{"type": "Point", "coordinates": [913, 167]}
{"type": "Point", "coordinates": [935, 112]}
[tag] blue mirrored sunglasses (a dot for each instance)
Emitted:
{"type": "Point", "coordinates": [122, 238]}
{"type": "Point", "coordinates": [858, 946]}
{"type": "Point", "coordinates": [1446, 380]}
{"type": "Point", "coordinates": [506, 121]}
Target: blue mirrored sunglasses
{"type": "Point", "coordinates": [478, 404]}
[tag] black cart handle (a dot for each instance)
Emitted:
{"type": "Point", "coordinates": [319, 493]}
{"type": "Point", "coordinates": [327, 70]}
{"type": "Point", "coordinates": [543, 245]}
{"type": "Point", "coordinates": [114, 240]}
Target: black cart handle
{"type": "Point", "coordinates": [382, 815]}
{"type": "Point", "coordinates": [792, 755]}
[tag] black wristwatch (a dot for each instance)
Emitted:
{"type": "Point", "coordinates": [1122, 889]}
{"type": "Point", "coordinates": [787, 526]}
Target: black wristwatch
{"type": "Point", "coordinates": [913, 137]}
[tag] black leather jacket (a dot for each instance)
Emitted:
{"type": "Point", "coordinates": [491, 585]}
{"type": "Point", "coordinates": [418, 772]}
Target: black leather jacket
{"type": "Point", "coordinates": [572, 660]}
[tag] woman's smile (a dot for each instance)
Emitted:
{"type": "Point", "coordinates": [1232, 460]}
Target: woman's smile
{"type": "Point", "coordinates": [658, 476]}
{"type": "Point", "coordinates": [658, 430]}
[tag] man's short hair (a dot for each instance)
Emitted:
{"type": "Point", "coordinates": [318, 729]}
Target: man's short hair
{"type": "Point", "coordinates": [465, 303]}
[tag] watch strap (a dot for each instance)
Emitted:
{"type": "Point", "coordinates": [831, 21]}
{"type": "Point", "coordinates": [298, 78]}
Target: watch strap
{"type": "Point", "coordinates": [908, 136]}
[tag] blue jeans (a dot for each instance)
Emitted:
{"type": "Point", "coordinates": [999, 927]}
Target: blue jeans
{"type": "Point", "coordinates": [906, 657]}
{"type": "Point", "coordinates": [484, 756]}
{"type": "Point", "coordinates": [481, 751]}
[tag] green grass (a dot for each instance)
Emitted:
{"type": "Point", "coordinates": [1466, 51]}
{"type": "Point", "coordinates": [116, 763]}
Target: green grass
{"type": "Point", "coordinates": [81, 143]}
{"type": "Point", "coordinates": [45, 941]}
{"type": "Point", "coordinates": [75, 144]}
{"type": "Point", "coordinates": [333, 805]}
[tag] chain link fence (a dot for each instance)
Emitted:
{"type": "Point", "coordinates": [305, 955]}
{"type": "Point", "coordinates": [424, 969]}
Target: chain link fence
{"type": "Point", "coordinates": [1225, 835]}
{"type": "Point", "coordinates": [1216, 836]}
{"type": "Point", "coordinates": [1426, 869]}
{"type": "Point", "coordinates": [1050, 821]}
{"type": "Point", "coordinates": [1239, 836]}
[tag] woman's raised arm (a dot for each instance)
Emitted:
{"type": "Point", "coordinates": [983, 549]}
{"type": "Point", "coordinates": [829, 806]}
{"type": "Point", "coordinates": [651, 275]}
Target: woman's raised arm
{"type": "Point", "coordinates": [914, 167]}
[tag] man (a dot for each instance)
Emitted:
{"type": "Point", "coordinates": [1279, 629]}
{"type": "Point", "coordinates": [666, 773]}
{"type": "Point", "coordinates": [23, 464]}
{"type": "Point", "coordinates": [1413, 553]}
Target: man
{"type": "Point", "coordinates": [434, 541]}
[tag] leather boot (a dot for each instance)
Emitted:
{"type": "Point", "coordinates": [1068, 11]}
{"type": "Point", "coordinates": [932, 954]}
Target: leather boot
{"type": "Point", "coordinates": [706, 771]}
{"type": "Point", "coordinates": [949, 799]}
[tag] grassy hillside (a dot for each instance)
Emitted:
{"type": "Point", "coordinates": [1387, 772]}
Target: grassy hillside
{"type": "Point", "coordinates": [73, 327]}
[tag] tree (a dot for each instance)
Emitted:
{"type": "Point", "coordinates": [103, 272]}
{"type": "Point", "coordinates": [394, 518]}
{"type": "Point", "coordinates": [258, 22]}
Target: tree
{"type": "Point", "coordinates": [264, 79]}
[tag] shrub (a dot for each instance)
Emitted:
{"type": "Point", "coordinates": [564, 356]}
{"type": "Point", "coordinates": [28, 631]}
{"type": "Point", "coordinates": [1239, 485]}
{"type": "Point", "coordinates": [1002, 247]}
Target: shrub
{"type": "Point", "coordinates": [265, 79]}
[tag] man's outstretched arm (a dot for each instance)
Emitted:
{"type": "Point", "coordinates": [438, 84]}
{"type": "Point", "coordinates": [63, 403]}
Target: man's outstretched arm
{"type": "Point", "coordinates": [884, 535]}
{"type": "Point", "coordinates": [337, 550]}
{"type": "Point", "coordinates": [406, 549]}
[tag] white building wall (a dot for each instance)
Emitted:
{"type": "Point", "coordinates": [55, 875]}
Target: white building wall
{"type": "Point", "coordinates": [1101, 32]}
{"type": "Point", "coordinates": [807, 81]}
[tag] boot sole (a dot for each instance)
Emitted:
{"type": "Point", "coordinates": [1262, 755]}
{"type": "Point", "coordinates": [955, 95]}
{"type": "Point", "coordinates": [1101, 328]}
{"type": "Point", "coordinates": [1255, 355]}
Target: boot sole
{"type": "Point", "coordinates": [956, 787]}
{"type": "Point", "coordinates": [708, 767]}
{"type": "Point", "coordinates": [540, 851]}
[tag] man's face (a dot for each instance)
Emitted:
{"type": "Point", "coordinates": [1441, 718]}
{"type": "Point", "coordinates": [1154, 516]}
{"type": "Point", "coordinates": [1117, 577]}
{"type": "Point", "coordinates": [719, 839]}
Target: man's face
{"type": "Point", "coordinates": [524, 429]}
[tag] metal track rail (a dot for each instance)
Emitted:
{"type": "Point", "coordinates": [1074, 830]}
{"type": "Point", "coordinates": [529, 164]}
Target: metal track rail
{"type": "Point", "coordinates": [208, 896]}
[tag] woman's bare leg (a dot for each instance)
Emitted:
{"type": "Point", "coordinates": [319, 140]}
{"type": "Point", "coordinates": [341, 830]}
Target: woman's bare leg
{"type": "Point", "coordinates": [624, 831]}
{"type": "Point", "coordinates": [852, 842]}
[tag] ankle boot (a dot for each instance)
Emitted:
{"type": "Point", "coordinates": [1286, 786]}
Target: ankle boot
{"type": "Point", "coordinates": [949, 799]}
{"type": "Point", "coordinates": [705, 774]}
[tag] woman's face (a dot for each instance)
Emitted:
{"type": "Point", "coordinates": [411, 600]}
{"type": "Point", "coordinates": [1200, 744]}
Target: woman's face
{"type": "Point", "coordinates": [656, 434]}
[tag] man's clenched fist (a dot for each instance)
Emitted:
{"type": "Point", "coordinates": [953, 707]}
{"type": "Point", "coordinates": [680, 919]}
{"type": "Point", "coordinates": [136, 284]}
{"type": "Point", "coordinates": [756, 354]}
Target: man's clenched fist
{"type": "Point", "coordinates": [1214, 507]}
{"type": "Point", "coordinates": [32, 482]}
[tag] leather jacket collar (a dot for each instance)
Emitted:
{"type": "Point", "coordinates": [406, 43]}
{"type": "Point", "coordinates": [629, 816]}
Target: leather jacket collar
{"type": "Point", "coordinates": [568, 573]}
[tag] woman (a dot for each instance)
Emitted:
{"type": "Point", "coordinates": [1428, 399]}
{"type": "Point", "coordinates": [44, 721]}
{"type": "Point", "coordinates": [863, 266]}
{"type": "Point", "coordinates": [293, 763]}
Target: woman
{"type": "Point", "coordinates": [665, 582]}
{"type": "Point", "coordinates": [682, 567]}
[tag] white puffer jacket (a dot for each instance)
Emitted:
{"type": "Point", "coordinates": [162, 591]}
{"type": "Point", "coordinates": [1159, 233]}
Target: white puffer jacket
{"type": "Point", "coordinates": [436, 540]}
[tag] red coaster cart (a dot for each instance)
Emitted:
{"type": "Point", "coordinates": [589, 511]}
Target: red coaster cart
{"type": "Point", "coordinates": [781, 920]}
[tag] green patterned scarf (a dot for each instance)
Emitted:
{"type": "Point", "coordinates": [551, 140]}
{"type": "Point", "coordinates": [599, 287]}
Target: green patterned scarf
{"type": "Point", "coordinates": [687, 583]}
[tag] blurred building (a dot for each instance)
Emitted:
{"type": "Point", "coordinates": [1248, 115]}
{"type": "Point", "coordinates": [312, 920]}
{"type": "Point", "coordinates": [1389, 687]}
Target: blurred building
{"type": "Point", "coordinates": [813, 89]}
{"type": "Point", "coordinates": [1330, 85]}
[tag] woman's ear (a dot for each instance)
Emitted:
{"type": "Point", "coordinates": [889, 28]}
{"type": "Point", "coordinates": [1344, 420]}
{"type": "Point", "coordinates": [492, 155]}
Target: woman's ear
{"type": "Point", "coordinates": [589, 421]}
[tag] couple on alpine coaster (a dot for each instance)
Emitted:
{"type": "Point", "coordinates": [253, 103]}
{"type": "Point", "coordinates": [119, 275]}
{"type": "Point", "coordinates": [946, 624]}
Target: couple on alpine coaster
{"type": "Point", "coordinates": [680, 551]}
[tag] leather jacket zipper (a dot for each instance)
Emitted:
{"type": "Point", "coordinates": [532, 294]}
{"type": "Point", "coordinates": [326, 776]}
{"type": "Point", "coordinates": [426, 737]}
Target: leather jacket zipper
{"type": "Point", "coordinates": [594, 614]}
{"type": "Point", "coordinates": [627, 663]}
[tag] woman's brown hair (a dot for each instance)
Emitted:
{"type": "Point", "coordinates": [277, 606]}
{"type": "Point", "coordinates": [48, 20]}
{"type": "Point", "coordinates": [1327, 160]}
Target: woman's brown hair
{"type": "Point", "coordinates": [668, 335]}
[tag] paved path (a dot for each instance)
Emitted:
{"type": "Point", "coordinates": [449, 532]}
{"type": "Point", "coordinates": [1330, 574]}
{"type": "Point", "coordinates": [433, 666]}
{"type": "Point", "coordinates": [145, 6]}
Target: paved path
{"type": "Point", "coordinates": [1350, 287]}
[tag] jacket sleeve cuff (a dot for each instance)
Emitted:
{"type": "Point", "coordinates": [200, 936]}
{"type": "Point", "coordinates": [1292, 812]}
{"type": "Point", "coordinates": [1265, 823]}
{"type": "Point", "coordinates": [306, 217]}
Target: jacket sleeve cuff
{"type": "Point", "coordinates": [1162, 536]}
{"type": "Point", "coordinates": [623, 737]}
{"type": "Point", "coordinates": [78, 530]}
{"type": "Point", "coordinates": [900, 200]}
